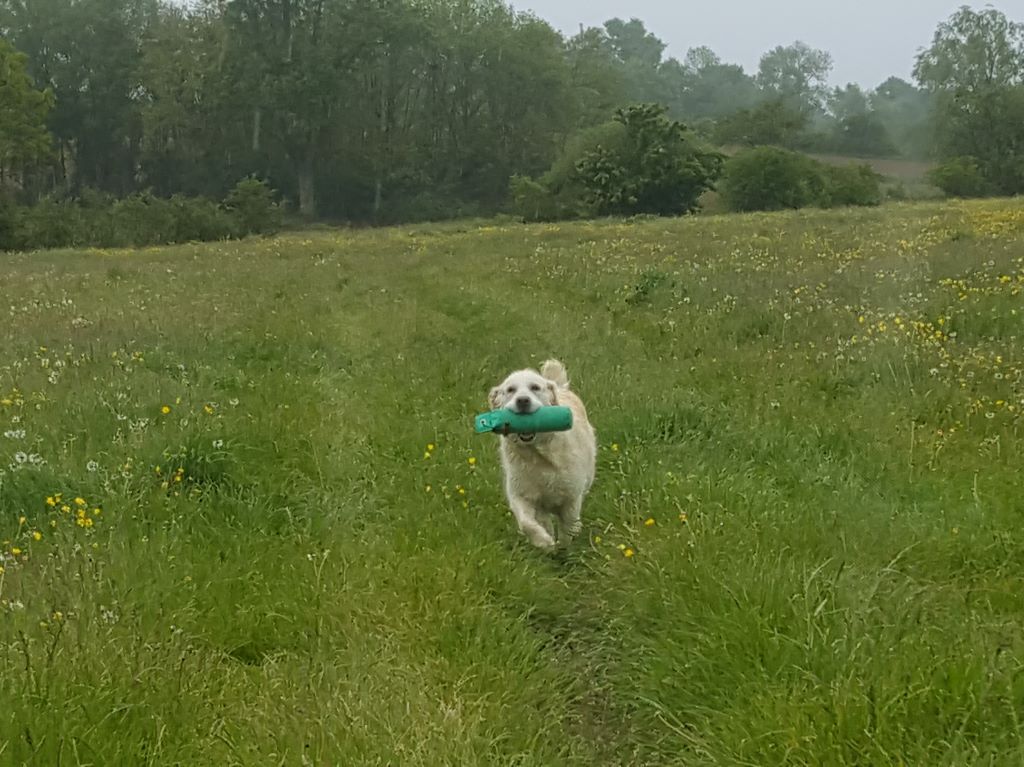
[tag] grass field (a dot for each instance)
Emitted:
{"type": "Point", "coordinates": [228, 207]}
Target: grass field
{"type": "Point", "coordinates": [245, 522]}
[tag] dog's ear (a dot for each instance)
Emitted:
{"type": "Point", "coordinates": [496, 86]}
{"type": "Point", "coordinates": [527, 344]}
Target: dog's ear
{"type": "Point", "coordinates": [553, 388]}
{"type": "Point", "coordinates": [494, 398]}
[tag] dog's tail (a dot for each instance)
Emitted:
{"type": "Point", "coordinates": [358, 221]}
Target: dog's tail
{"type": "Point", "coordinates": [553, 370]}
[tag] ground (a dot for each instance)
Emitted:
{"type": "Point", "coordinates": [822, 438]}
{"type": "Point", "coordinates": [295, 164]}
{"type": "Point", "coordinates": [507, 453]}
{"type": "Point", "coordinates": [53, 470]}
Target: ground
{"type": "Point", "coordinates": [245, 521]}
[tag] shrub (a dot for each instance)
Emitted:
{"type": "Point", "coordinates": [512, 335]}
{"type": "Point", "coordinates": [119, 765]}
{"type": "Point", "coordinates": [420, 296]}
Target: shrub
{"type": "Point", "coordinates": [959, 177]}
{"type": "Point", "coordinates": [252, 207]}
{"type": "Point", "coordinates": [769, 178]}
{"type": "Point", "coordinates": [854, 184]}
{"type": "Point", "coordinates": [640, 163]}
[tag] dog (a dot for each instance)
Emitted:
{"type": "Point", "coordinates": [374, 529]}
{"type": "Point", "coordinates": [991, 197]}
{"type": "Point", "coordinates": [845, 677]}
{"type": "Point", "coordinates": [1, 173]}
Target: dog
{"type": "Point", "coordinates": [548, 475]}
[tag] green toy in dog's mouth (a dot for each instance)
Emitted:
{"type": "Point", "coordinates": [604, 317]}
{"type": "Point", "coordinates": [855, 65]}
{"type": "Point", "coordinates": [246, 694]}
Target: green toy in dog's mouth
{"type": "Point", "coordinates": [525, 425]}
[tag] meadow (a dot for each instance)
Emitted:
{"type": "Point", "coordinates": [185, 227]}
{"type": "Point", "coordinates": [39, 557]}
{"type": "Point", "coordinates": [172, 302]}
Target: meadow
{"type": "Point", "coordinates": [244, 520]}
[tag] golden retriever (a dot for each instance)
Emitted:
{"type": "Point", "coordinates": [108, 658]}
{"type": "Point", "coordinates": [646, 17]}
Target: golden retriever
{"type": "Point", "coordinates": [547, 475]}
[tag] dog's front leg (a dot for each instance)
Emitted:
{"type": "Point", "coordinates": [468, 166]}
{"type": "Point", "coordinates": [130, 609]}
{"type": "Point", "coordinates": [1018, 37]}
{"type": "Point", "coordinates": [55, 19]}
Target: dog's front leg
{"type": "Point", "coordinates": [526, 516]}
{"type": "Point", "coordinates": [569, 516]}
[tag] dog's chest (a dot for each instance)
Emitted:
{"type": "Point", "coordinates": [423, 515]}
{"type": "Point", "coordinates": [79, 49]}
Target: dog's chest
{"type": "Point", "coordinates": [541, 481]}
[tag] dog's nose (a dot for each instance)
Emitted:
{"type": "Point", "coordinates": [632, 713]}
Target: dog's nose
{"type": "Point", "coordinates": [522, 403]}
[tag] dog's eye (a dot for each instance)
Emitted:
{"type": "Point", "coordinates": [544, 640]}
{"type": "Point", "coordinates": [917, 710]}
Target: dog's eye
{"type": "Point", "coordinates": [534, 387]}
{"type": "Point", "coordinates": [511, 390]}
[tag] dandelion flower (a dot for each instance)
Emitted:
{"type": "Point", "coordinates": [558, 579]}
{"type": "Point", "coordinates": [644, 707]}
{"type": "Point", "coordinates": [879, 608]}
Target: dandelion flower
{"type": "Point", "coordinates": [649, 522]}
{"type": "Point", "coordinates": [166, 409]}
{"type": "Point", "coordinates": [80, 502]}
{"type": "Point", "coordinates": [36, 535]}
{"type": "Point", "coordinates": [471, 461]}
{"type": "Point", "coordinates": [628, 553]}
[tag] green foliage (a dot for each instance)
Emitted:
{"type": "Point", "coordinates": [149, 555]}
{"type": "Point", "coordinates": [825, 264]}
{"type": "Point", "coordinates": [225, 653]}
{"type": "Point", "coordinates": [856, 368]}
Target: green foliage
{"type": "Point", "coordinates": [95, 219]}
{"type": "Point", "coordinates": [975, 68]}
{"type": "Point", "coordinates": [770, 178]}
{"type": "Point", "coordinates": [252, 205]}
{"type": "Point", "coordinates": [853, 184]}
{"type": "Point", "coordinates": [772, 123]}
{"type": "Point", "coordinates": [23, 109]}
{"type": "Point", "coordinates": [796, 74]}
{"type": "Point", "coordinates": [960, 177]}
{"type": "Point", "coordinates": [658, 168]}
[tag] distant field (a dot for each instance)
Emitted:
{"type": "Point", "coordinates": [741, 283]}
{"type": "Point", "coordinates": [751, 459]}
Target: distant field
{"type": "Point", "coordinates": [244, 520]}
{"type": "Point", "coordinates": [907, 171]}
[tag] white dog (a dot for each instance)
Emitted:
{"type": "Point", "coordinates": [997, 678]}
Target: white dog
{"type": "Point", "coordinates": [546, 475]}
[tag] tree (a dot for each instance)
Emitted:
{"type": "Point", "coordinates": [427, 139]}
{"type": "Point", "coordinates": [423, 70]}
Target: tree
{"type": "Point", "coordinates": [857, 129]}
{"type": "Point", "coordinates": [713, 89]}
{"type": "Point", "coordinates": [975, 68]}
{"type": "Point", "coordinates": [775, 122]}
{"type": "Point", "coordinates": [797, 74]}
{"type": "Point", "coordinates": [657, 167]}
{"type": "Point", "coordinates": [906, 113]}
{"type": "Point", "coordinates": [23, 109]}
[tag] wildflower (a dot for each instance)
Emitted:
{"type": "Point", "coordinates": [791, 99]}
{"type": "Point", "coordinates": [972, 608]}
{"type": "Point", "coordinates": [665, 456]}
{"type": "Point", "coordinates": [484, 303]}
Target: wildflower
{"type": "Point", "coordinates": [92, 466]}
{"type": "Point", "coordinates": [598, 539]}
{"type": "Point", "coordinates": [628, 553]}
{"type": "Point", "coordinates": [471, 461]}
{"type": "Point", "coordinates": [36, 535]}
{"type": "Point", "coordinates": [649, 522]}
{"type": "Point", "coordinates": [16, 551]}
{"type": "Point", "coordinates": [21, 521]}
{"type": "Point", "coordinates": [428, 488]}
{"type": "Point", "coordinates": [166, 409]}
{"type": "Point", "coordinates": [80, 502]}
{"type": "Point", "coordinates": [208, 409]}
{"type": "Point", "coordinates": [621, 547]}
{"type": "Point", "coordinates": [615, 447]}
{"type": "Point", "coordinates": [682, 516]}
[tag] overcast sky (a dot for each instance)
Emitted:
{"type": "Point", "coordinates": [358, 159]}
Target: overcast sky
{"type": "Point", "coordinates": [868, 39]}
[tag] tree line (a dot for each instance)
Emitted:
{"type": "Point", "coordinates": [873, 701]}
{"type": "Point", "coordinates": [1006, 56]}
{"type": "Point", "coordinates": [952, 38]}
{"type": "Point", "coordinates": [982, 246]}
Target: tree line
{"type": "Point", "coordinates": [394, 110]}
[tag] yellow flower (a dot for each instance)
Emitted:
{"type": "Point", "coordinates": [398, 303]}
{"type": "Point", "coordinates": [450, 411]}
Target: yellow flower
{"type": "Point", "coordinates": [428, 488]}
{"type": "Point", "coordinates": [426, 455]}
{"type": "Point", "coordinates": [165, 409]}
{"type": "Point", "coordinates": [51, 501]}
{"type": "Point", "coordinates": [615, 447]}
{"type": "Point", "coordinates": [621, 547]}
{"type": "Point", "coordinates": [207, 409]}
{"type": "Point", "coordinates": [80, 502]}
{"type": "Point", "coordinates": [649, 522]}
{"type": "Point", "coordinates": [628, 553]}
{"type": "Point", "coordinates": [598, 539]}
{"type": "Point", "coordinates": [16, 551]}
{"type": "Point", "coordinates": [682, 516]}
{"type": "Point", "coordinates": [430, 447]}
{"type": "Point", "coordinates": [21, 520]}
{"type": "Point", "coordinates": [471, 461]}
{"type": "Point", "coordinates": [36, 535]}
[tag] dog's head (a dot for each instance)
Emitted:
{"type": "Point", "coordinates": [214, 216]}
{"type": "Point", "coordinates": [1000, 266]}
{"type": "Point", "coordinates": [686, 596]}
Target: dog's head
{"type": "Point", "coordinates": [524, 392]}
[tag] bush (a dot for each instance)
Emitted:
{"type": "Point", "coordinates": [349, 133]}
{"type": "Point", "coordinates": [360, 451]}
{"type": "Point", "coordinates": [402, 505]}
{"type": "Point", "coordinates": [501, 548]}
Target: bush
{"type": "Point", "coordinates": [959, 177]}
{"type": "Point", "coordinates": [768, 178]}
{"type": "Point", "coordinates": [854, 184]}
{"type": "Point", "coordinates": [252, 207]}
{"type": "Point", "coordinates": [640, 163]}
{"type": "Point", "coordinates": [138, 220]}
